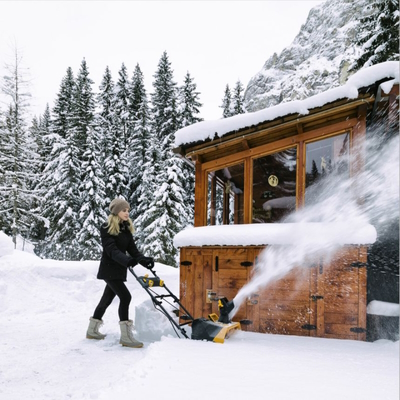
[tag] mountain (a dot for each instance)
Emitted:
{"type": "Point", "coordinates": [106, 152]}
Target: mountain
{"type": "Point", "coordinates": [317, 60]}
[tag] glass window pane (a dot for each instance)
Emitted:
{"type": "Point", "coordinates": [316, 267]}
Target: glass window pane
{"type": "Point", "coordinates": [225, 196]}
{"type": "Point", "coordinates": [324, 158]}
{"type": "Point", "coordinates": [274, 186]}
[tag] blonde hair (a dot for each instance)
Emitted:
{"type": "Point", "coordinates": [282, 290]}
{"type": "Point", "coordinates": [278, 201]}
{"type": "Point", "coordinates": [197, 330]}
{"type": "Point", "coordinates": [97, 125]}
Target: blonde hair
{"type": "Point", "coordinates": [113, 222]}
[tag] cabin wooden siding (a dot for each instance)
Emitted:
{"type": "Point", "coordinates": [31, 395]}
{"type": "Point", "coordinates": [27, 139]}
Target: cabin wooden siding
{"type": "Point", "coordinates": [326, 299]}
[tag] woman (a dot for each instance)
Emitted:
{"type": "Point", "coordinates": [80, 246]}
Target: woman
{"type": "Point", "coordinates": [117, 241]}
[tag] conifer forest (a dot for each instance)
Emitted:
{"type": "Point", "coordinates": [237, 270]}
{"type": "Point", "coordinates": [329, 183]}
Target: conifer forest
{"type": "Point", "coordinates": [101, 140]}
{"type": "Point", "coordinates": [59, 171]}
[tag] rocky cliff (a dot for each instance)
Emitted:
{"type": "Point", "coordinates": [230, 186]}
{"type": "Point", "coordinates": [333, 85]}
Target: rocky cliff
{"type": "Point", "coordinates": [317, 60]}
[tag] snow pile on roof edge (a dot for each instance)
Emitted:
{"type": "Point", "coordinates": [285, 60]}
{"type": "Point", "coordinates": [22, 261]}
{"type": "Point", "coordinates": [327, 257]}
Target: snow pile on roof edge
{"type": "Point", "coordinates": [362, 78]}
{"type": "Point", "coordinates": [276, 234]}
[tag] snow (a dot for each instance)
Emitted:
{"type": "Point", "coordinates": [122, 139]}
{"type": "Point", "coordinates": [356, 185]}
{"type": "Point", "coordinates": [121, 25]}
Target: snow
{"type": "Point", "coordinates": [45, 307]}
{"type": "Point", "coordinates": [339, 233]}
{"type": "Point", "coordinates": [384, 308]}
{"type": "Point", "coordinates": [364, 77]}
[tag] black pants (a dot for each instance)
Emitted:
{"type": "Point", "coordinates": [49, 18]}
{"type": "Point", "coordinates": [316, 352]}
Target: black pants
{"type": "Point", "coordinates": [114, 288]}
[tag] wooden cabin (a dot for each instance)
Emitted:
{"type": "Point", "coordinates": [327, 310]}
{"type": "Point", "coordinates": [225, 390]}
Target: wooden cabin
{"type": "Point", "coordinates": [257, 169]}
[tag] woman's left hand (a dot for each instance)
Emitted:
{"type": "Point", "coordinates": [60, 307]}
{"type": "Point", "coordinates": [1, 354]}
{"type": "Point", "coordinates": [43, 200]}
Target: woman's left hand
{"type": "Point", "coordinates": [147, 262]}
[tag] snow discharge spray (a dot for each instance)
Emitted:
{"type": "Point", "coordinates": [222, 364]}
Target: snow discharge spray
{"type": "Point", "coordinates": [344, 205]}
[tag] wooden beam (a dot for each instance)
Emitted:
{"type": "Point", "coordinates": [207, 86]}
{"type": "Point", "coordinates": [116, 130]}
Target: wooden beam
{"type": "Point", "coordinates": [197, 158]}
{"type": "Point", "coordinates": [245, 144]}
{"type": "Point", "coordinates": [199, 195]}
{"type": "Point", "coordinates": [299, 127]}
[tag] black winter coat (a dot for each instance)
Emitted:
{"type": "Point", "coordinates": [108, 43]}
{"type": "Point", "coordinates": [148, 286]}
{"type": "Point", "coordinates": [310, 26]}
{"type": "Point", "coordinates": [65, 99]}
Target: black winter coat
{"type": "Point", "coordinates": [114, 260]}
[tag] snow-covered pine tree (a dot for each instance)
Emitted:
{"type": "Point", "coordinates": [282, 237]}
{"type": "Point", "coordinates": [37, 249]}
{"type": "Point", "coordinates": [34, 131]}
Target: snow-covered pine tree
{"type": "Point", "coordinates": [238, 99]}
{"type": "Point", "coordinates": [63, 117]}
{"type": "Point", "coordinates": [139, 140]}
{"type": "Point", "coordinates": [36, 230]}
{"type": "Point", "coordinates": [112, 142]}
{"type": "Point", "coordinates": [166, 215]}
{"type": "Point", "coordinates": [4, 211]}
{"type": "Point", "coordinates": [189, 110]}
{"type": "Point", "coordinates": [62, 177]}
{"type": "Point", "coordinates": [84, 106]}
{"type": "Point", "coordinates": [380, 41]}
{"type": "Point", "coordinates": [17, 155]}
{"type": "Point", "coordinates": [227, 103]}
{"type": "Point", "coordinates": [147, 238]}
{"type": "Point", "coordinates": [118, 166]}
{"type": "Point", "coordinates": [91, 189]}
{"type": "Point", "coordinates": [43, 140]}
{"type": "Point", "coordinates": [189, 102]}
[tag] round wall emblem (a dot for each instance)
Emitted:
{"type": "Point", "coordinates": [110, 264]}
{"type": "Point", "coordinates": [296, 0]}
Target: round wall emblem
{"type": "Point", "coordinates": [273, 180]}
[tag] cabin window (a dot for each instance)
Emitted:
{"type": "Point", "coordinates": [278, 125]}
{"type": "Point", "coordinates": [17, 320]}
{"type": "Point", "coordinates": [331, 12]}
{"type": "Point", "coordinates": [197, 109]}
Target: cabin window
{"type": "Point", "coordinates": [326, 157]}
{"type": "Point", "coordinates": [225, 196]}
{"type": "Point", "coordinates": [274, 186]}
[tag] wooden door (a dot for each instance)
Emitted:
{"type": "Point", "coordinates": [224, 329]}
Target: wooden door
{"type": "Point", "coordinates": [231, 271]}
{"type": "Point", "coordinates": [195, 279]}
{"type": "Point", "coordinates": [341, 306]}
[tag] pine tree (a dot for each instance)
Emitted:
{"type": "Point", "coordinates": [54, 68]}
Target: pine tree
{"type": "Point", "coordinates": [238, 99]}
{"type": "Point", "coordinates": [44, 139]}
{"type": "Point", "coordinates": [64, 104]}
{"type": "Point", "coordinates": [121, 105]}
{"type": "Point", "coordinates": [165, 216]}
{"type": "Point", "coordinates": [114, 163]}
{"type": "Point", "coordinates": [84, 106]}
{"type": "Point", "coordinates": [62, 176]}
{"type": "Point", "coordinates": [147, 238]}
{"type": "Point", "coordinates": [226, 103]}
{"type": "Point", "coordinates": [139, 139]}
{"type": "Point", "coordinates": [18, 156]}
{"type": "Point", "coordinates": [91, 187]}
{"type": "Point", "coordinates": [380, 42]}
{"type": "Point", "coordinates": [189, 105]}
{"type": "Point", "coordinates": [4, 207]}
{"type": "Point", "coordinates": [92, 212]}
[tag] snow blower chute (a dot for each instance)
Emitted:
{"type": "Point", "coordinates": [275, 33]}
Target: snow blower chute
{"type": "Point", "coordinates": [213, 329]}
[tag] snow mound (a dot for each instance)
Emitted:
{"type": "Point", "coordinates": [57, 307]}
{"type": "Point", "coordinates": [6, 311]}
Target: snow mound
{"type": "Point", "coordinates": [6, 245]}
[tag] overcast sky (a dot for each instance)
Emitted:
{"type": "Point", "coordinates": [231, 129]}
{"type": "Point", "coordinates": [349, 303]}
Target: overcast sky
{"type": "Point", "coordinates": [218, 42]}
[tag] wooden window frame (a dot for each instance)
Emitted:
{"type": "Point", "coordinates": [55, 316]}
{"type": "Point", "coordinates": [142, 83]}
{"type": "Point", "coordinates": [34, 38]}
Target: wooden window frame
{"type": "Point", "coordinates": [354, 126]}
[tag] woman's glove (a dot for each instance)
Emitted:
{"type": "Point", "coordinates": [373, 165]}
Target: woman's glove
{"type": "Point", "coordinates": [147, 262]}
{"type": "Point", "coordinates": [132, 262]}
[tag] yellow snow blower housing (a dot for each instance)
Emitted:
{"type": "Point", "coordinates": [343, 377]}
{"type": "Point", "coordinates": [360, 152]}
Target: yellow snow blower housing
{"type": "Point", "coordinates": [215, 328]}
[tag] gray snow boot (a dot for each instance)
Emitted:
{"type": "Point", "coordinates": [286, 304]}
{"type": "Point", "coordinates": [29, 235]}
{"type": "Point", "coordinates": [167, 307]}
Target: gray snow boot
{"type": "Point", "coordinates": [93, 330]}
{"type": "Point", "coordinates": [127, 338]}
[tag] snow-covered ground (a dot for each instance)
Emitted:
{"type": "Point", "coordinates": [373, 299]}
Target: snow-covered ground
{"type": "Point", "coordinates": [44, 310]}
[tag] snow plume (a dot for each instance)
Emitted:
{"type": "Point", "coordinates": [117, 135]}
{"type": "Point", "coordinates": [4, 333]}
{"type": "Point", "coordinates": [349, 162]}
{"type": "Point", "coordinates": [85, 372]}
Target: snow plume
{"type": "Point", "coordinates": [345, 204]}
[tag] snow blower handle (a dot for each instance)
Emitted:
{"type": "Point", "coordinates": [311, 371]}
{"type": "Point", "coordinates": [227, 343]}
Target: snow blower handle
{"type": "Point", "coordinates": [148, 281]}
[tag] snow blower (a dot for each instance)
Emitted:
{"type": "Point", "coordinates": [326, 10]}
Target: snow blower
{"type": "Point", "coordinates": [213, 329]}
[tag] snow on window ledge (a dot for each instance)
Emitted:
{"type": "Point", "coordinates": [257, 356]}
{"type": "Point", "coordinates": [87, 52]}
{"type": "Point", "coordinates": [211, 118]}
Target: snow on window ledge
{"type": "Point", "coordinates": [386, 309]}
{"type": "Point", "coordinates": [337, 233]}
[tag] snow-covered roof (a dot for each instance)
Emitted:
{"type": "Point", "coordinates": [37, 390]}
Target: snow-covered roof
{"type": "Point", "coordinates": [338, 233]}
{"type": "Point", "coordinates": [209, 129]}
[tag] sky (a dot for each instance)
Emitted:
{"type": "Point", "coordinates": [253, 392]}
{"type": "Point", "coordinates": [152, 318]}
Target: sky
{"type": "Point", "coordinates": [217, 42]}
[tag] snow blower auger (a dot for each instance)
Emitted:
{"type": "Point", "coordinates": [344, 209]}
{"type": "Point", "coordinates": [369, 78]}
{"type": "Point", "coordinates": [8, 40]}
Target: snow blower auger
{"type": "Point", "coordinates": [213, 329]}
